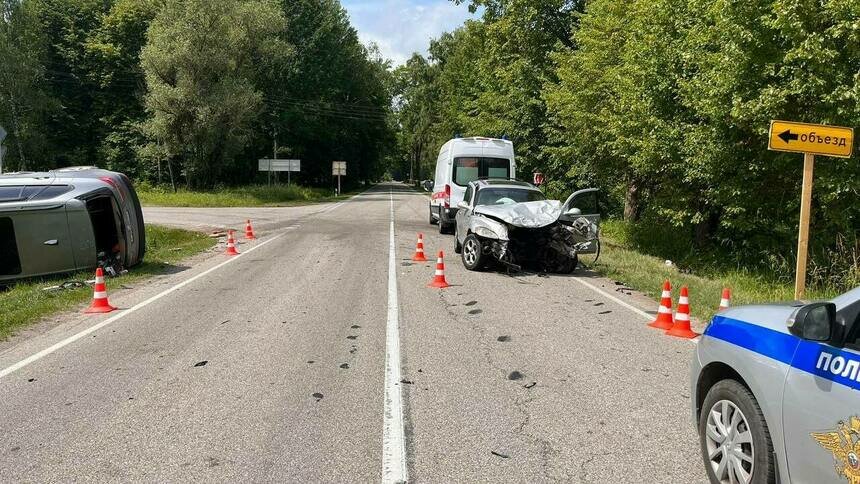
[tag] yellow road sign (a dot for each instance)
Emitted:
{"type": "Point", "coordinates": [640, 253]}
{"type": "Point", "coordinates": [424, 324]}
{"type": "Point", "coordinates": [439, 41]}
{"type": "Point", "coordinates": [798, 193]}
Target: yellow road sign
{"type": "Point", "coordinates": [817, 139]}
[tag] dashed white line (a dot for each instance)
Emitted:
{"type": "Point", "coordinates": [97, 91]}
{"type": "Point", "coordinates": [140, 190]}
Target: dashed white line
{"type": "Point", "coordinates": [394, 468]}
{"type": "Point", "coordinates": [71, 339]}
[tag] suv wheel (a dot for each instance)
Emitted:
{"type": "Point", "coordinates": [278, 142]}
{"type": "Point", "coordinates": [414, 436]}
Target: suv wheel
{"type": "Point", "coordinates": [473, 253]}
{"type": "Point", "coordinates": [734, 438]}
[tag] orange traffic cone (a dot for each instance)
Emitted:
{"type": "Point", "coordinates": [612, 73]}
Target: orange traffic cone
{"type": "Point", "coordinates": [231, 244]}
{"type": "Point", "coordinates": [100, 302]}
{"type": "Point", "coordinates": [249, 231]}
{"type": "Point", "coordinates": [725, 299]}
{"type": "Point", "coordinates": [419, 250]}
{"type": "Point", "coordinates": [439, 278]}
{"type": "Point", "coordinates": [664, 312]}
{"type": "Point", "coordinates": [681, 327]}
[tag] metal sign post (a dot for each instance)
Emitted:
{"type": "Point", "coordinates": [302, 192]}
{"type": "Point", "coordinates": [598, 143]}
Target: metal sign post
{"type": "Point", "coordinates": [338, 169]}
{"type": "Point", "coordinates": [811, 140]}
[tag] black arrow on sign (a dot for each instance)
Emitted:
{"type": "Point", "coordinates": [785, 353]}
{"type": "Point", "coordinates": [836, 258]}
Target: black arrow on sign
{"type": "Point", "coordinates": [787, 136]}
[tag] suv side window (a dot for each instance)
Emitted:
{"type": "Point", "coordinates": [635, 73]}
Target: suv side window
{"type": "Point", "coordinates": [468, 196]}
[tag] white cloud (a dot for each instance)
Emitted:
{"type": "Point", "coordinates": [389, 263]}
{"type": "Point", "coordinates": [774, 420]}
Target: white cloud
{"type": "Point", "coordinates": [402, 27]}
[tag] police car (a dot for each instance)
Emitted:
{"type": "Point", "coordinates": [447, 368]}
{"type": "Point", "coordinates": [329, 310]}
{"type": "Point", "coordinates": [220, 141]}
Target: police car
{"type": "Point", "coordinates": [776, 393]}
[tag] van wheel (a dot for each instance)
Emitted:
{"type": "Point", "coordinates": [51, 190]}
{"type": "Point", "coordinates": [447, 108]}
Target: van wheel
{"type": "Point", "coordinates": [734, 438]}
{"type": "Point", "coordinates": [432, 220]}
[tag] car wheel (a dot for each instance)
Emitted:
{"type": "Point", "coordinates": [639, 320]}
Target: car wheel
{"type": "Point", "coordinates": [473, 253]}
{"type": "Point", "coordinates": [734, 438]}
{"type": "Point", "coordinates": [568, 265]}
{"type": "Point", "coordinates": [458, 247]}
{"type": "Point", "coordinates": [432, 220]}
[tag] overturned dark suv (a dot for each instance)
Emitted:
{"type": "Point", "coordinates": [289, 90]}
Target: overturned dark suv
{"type": "Point", "coordinates": [68, 220]}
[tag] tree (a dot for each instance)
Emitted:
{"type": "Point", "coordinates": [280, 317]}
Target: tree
{"type": "Point", "coordinates": [25, 100]}
{"type": "Point", "coordinates": [201, 62]}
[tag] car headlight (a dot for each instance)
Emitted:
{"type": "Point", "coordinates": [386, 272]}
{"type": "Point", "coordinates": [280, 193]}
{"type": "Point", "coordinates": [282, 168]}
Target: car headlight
{"type": "Point", "coordinates": [486, 232]}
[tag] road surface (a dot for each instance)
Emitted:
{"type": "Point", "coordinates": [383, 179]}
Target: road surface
{"type": "Point", "coordinates": [271, 367]}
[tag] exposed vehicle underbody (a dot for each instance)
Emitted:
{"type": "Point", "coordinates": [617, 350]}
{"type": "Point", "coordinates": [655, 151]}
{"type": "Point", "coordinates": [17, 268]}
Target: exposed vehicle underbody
{"type": "Point", "coordinates": [532, 235]}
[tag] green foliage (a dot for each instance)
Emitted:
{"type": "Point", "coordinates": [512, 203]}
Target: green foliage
{"type": "Point", "coordinates": [664, 105]}
{"type": "Point", "coordinates": [201, 62]}
{"type": "Point", "coordinates": [192, 92]}
{"type": "Point", "coordinates": [25, 100]}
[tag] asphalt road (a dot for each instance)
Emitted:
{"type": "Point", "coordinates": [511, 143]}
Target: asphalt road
{"type": "Point", "coordinates": [501, 378]}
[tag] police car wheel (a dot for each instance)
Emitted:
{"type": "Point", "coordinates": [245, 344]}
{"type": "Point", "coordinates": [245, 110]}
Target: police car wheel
{"type": "Point", "coordinates": [734, 438]}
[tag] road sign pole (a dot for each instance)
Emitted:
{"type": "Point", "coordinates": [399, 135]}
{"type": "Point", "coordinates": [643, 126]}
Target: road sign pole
{"type": "Point", "coordinates": [803, 236]}
{"type": "Point", "coordinates": [338, 184]}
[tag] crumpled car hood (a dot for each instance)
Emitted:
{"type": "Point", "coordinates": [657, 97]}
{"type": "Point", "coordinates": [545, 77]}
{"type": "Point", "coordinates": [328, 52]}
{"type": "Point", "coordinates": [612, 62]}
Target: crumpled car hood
{"type": "Point", "coordinates": [527, 214]}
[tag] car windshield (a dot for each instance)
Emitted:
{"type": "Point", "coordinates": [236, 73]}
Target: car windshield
{"type": "Point", "coordinates": [508, 195]}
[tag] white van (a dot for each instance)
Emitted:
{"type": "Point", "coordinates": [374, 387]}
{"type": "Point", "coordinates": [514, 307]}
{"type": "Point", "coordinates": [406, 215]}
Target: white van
{"type": "Point", "coordinates": [460, 161]}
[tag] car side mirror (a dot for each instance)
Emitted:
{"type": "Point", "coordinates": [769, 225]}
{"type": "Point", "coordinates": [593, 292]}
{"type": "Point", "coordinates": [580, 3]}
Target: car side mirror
{"type": "Point", "coordinates": [574, 212]}
{"type": "Point", "coordinates": [428, 185]}
{"type": "Point", "coordinates": [815, 322]}
{"type": "Point", "coordinates": [463, 204]}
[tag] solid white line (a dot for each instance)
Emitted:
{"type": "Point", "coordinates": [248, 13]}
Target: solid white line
{"type": "Point", "coordinates": [620, 302]}
{"type": "Point", "coordinates": [615, 299]}
{"type": "Point", "coordinates": [71, 339]}
{"type": "Point", "coordinates": [393, 441]}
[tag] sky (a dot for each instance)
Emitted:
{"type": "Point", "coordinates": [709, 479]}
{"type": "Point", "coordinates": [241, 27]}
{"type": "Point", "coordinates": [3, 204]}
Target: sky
{"type": "Point", "coordinates": [401, 27]}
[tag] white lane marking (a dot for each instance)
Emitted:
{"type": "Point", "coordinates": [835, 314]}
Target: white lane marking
{"type": "Point", "coordinates": [393, 441]}
{"type": "Point", "coordinates": [620, 302]}
{"type": "Point", "coordinates": [71, 339]}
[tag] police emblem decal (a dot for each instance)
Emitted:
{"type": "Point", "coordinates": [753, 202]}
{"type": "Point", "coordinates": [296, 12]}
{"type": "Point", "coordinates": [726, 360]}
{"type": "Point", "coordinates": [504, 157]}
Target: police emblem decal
{"type": "Point", "coordinates": [844, 445]}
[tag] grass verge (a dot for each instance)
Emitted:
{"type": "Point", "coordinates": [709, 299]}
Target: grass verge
{"type": "Point", "coordinates": [646, 273]}
{"type": "Point", "coordinates": [25, 303]}
{"type": "Point", "coordinates": [247, 196]}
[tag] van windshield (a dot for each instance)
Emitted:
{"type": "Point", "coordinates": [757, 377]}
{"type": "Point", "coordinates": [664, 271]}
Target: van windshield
{"type": "Point", "coordinates": [468, 169]}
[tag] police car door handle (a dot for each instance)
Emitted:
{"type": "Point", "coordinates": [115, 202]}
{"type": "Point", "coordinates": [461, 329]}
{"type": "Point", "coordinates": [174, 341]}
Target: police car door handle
{"type": "Point", "coordinates": [51, 242]}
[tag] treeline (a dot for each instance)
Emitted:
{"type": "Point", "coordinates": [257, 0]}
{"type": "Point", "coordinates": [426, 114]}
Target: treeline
{"type": "Point", "coordinates": [665, 105]}
{"type": "Point", "coordinates": [191, 92]}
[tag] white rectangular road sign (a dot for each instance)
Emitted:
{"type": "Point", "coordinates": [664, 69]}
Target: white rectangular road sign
{"type": "Point", "coordinates": [338, 168]}
{"type": "Point", "coordinates": [280, 165]}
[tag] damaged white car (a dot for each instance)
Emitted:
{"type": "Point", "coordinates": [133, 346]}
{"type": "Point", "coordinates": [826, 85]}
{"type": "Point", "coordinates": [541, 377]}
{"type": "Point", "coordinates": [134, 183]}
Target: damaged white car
{"type": "Point", "coordinates": [511, 222]}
